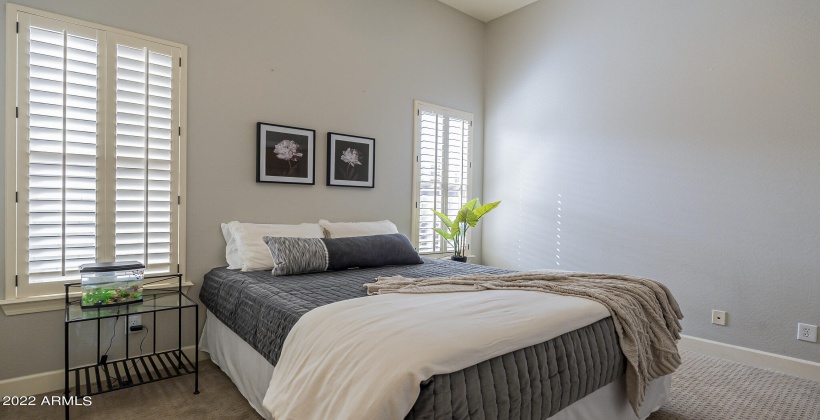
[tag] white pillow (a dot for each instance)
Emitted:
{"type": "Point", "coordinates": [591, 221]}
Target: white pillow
{"type": "Point", "coordinates": [231, 250]}
{"type": "Point", "coordinates": [346, 230]}
{"type": "Point", "coordinates": [253, 252]}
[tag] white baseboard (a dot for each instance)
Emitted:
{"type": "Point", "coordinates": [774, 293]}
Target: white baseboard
{"type": "Point", "coordinates": [792, 366]}
{"type": "Point", "coordinates": [32, 384]}
{"type": "Point", "coordinates": [53, 381]}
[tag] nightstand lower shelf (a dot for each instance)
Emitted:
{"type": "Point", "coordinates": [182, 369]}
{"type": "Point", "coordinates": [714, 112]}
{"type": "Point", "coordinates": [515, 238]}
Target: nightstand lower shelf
{"type": "Point", "coordinates": [124, 373]}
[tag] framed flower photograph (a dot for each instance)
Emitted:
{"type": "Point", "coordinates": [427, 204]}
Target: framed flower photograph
{"type": "Point", "coordinates": [351, 160]}
{"type": "Point", "coordinates": [285, 154]}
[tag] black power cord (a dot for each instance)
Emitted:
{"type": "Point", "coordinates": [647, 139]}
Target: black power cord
{"type": "Point", "coordinates": [104, 357]}
{"type": "Point", "coordinates": [126, 382]}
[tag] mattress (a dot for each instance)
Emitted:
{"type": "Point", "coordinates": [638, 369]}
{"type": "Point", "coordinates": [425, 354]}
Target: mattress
{"type": "Point", "coordinates": [534, 382]}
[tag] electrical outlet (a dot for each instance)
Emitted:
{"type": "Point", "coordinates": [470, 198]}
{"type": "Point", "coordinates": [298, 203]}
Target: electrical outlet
{"type": "Point", "coordinates": [718, 317]}
{"type": "Point", "coordinates": [807, 332]}
{"type": "Point", "coordinates": [133, 321]}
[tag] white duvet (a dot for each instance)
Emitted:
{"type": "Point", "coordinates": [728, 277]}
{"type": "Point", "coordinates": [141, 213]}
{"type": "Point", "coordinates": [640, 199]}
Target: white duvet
{"type": "Point", "coordinates": [365, 358]}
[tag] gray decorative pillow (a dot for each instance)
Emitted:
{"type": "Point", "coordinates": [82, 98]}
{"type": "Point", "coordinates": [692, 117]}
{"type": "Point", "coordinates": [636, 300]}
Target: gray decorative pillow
{"type": "Point", "coordinates": [296, 255]}
{"type": "Point", "coordinates": [309, 255]}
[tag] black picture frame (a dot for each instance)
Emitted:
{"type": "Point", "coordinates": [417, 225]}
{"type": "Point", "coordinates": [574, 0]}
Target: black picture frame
{"type": "Point", "coordinates": [351, 161]}
{"type": "Point", "coordinates": [285, 154]}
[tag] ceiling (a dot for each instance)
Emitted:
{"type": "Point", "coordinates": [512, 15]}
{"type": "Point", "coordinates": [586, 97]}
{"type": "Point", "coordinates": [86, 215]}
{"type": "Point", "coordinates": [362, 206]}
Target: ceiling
{"type": "Point", "coordinates": [487, 10]}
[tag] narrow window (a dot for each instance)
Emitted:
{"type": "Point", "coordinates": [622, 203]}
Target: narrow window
{"type": "Point", "coordinates": [442, 171]}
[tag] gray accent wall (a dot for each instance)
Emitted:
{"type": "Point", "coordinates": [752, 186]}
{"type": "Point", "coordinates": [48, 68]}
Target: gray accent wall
{"type": "Point", "coordinates": [352, 67]}
{"type": "Point", "coordinates": [674, 140]}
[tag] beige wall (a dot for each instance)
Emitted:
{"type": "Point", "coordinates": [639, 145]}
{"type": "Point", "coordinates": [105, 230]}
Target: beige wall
{"type": "Point", "coordinates": [683, 142]}
{"type": "Point", "coordinates": [352, 67]}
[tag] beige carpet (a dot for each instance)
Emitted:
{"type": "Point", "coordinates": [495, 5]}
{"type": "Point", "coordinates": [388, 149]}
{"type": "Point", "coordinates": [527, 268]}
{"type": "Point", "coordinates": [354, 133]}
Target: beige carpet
{"type": "Point", "coordinates": [703, 388]}
{"type": "Point", "coordinates": [709, 388]}
{"type": "Point", "coordinates": [170, 399]}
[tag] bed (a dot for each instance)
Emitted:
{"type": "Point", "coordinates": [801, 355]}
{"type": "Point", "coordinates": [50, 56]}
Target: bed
{"type": "Point", "coordinates": [577, 374]}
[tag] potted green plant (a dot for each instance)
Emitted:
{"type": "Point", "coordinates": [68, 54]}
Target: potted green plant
{"type": "Point", "coordinates": [467, 217]}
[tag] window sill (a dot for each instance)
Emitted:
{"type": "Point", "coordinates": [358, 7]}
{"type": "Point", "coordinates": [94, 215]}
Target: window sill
{"type": "Point", "coordinates": [48, 303]}
{"type": "Point", "coordinates": [443, 256]}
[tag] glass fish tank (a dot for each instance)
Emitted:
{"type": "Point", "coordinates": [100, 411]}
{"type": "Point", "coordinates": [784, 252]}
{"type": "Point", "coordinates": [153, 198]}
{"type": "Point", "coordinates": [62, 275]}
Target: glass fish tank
{"type": "Point", "coordinates": [111, 283]}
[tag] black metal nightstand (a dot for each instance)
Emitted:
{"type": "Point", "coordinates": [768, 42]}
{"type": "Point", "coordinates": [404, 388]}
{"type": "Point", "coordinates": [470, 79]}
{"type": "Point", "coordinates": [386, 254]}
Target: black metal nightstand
{"type": "Point", "coordinates": [113, 375]}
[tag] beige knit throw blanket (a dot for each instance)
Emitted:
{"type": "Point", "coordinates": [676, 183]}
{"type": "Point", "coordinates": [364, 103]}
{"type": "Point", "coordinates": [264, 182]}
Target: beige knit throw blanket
{"type": "Point", "coordinates": [644, 312]}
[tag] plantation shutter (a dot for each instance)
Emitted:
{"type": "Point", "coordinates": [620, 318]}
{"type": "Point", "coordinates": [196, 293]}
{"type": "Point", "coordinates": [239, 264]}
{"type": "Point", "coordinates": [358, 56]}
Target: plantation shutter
{"type": "Point", "coordinates": [59, 132]}
{"type": "Point", "coordinates": [431, 179]}
{"type": "Point", "coordinates": [146, 152]}
{"type": "Point", "coordinates": [442, 171]}
{"type": "Point", "coordinates": [98, 152]}
{"type": "Point", "coordinates": [458, 166]}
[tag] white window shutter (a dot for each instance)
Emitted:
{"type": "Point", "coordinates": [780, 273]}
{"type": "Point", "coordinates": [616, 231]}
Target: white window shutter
{"type": "Point", "coordinates": [441, 171]}
{"type": "Point", "coordinates": [146, 153]}
{"type": "Point", "coordinates": [458, 164]}
{"type": "Point", "coordinates": [431, 182]}
{"type": "Point", "coordinates": [97, 153]}
{"type": "Point", "coordinates": [58, 132]}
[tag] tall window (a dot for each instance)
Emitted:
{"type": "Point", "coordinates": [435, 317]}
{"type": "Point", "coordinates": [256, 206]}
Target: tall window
{"type": "Point", "coordinates": [97, 144]}
{"type": "Point", "coordinates": [441, 171]}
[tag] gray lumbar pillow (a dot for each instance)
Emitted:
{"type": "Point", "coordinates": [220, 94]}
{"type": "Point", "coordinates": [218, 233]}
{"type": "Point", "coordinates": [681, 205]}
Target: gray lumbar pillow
{"type": "Point", "coordinates": [309, 255]}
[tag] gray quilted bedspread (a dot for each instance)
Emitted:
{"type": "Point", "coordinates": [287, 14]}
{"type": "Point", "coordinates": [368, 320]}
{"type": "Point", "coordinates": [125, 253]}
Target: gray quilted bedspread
{"type": "Point", "coordinates": [531, 383]}
{"type": "Point", "coordinates": [262, 308]}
